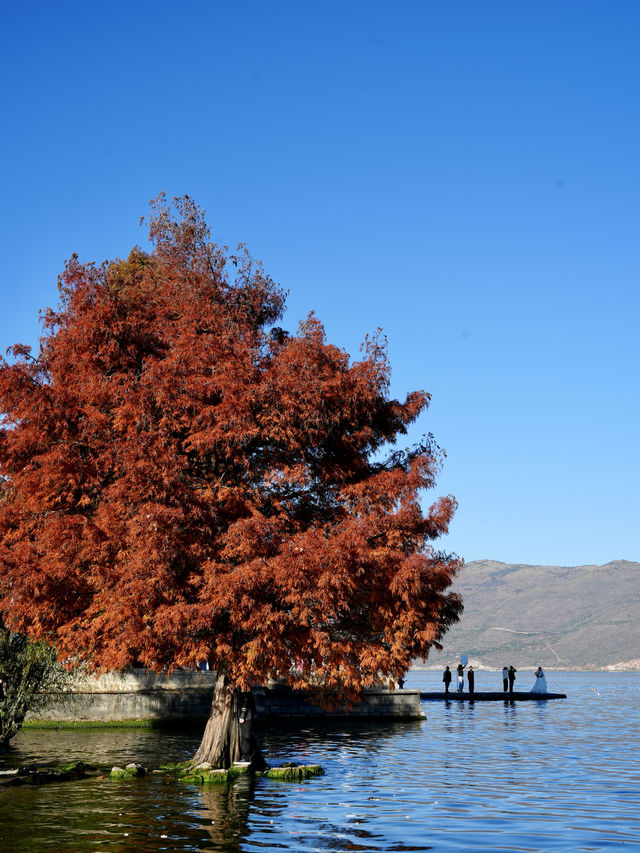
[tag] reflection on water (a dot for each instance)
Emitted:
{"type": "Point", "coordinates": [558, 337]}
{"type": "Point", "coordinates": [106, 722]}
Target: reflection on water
{"type": "Point", "coordinates": [225, 815]}
{"type": "Point", "coordinates": [561, 775]}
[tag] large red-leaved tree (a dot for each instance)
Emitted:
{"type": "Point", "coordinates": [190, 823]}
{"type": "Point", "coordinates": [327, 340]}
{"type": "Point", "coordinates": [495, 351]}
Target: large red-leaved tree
{"type": "Point", "coordinates": [184, 481]}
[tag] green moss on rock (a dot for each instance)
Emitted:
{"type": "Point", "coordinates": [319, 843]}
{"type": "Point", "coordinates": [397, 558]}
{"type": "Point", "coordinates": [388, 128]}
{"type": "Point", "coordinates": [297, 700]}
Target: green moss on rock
{"type": "Point", "coordinates": [118, 773]}
{"type": "Point", "coordinates": [294, 773]}
{"type": "Point", "coordinates": [205, 774]}
{"type": "Point", "coordinates": [207, 777]}
{"type": "Point", "coordinates": [176, 768]}
{"type": "Point", "coordinates": [35, 775]}
{"type": "Point", "coordinates": [131, 771]}
{"type": "Point", "coordinates": [78, 767]}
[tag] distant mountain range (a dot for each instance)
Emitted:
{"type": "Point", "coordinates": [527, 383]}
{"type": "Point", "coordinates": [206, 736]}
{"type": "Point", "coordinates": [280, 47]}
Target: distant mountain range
{"type": "Point", "coordinates": [583, 617]}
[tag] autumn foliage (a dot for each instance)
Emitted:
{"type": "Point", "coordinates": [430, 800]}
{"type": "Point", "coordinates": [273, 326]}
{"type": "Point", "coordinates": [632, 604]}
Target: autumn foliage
{"type": "Point", "coordinates": [184, 481]}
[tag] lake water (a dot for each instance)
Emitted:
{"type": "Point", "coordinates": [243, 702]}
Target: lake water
{"type": "Point", "coordinates": [561, 775]}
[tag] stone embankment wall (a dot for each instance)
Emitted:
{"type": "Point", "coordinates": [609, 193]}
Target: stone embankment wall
{"type": "Point", "coordinates": [279, 701]}
{"type": "Point", "coordinates": [144, 696]}
{"type": "Point", "coordinates": [135, 695]}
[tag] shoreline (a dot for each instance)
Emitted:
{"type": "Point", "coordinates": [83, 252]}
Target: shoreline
{"type": "Point", "coordinates": [478, 667]}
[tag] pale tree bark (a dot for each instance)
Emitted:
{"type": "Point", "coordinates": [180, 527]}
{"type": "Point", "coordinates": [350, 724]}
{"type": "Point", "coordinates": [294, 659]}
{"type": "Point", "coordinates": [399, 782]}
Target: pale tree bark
{"type": "Point", "coordinates": [228, 735]}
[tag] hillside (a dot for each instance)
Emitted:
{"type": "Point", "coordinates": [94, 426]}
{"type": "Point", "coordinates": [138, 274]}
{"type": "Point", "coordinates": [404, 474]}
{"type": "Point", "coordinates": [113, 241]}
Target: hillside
{"type": "Point", "coordinates": [583, 617]}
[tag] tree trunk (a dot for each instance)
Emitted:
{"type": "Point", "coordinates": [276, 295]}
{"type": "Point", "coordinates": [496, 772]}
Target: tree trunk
{"type": "Point", "coordinates": [228, 735]}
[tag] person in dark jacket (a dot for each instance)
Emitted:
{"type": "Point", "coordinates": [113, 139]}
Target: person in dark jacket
{"type": "Point", "coordinates": [446, 677]}
{"type": "Point", "coordinates": [460, 669]}
{"type": "Point", "coordinates": [512, 677]}
{"type": "Point", "coordinates": [471, 678]}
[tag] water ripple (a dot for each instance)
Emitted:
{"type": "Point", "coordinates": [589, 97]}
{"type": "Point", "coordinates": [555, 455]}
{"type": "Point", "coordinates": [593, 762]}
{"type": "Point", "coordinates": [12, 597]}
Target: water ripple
{"type": "Point", "coordinates": [530, 777]}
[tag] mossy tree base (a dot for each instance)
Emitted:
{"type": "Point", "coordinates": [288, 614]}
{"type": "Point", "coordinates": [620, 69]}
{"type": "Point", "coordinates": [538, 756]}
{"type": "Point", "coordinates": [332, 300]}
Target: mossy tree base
{"type": "Point", "coordinates": [187, 772]}
{"type": "Point", "coordinates": [228, 736]}
{"type": "Point", "coordinates": [205, 774]}
{"type": "Point", "coordinates": [287, 773]}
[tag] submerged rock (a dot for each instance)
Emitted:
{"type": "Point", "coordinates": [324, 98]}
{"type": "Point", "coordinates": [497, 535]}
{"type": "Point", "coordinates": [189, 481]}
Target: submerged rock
{"type": "Point", "coordinates": [35, 775]}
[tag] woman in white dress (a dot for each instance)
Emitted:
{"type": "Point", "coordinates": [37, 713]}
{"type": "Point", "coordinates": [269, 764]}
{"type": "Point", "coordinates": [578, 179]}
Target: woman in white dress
{"type": "Point", "coordinates": [541, 682]}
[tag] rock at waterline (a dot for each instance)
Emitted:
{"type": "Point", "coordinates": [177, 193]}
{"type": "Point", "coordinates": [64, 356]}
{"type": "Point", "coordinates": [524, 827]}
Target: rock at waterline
{"type": "Point", "coordinates": [206, 774]}
{"type": "Point", "coordinates": [34, 775]}
{"type": "Point", "coordinates": [294, 772]}
{"type": "Point", "coordinates": [131, 771]}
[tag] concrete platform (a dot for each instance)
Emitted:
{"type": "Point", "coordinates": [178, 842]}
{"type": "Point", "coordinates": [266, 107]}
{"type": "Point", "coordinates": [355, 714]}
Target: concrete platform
{"type": "Point", "coordinates": [516, 696]}
{"type": "Point", "coordinates": [278, 701]}
{"type": "Point", "coordinates": [139, 695]}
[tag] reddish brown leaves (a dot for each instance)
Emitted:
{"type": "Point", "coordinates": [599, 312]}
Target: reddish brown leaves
{"type": "Point", "coordinates": [182, 482]}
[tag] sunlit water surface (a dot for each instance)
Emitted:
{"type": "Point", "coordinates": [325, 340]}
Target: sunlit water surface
{"type": "Point", "coordinates": [530, 776]}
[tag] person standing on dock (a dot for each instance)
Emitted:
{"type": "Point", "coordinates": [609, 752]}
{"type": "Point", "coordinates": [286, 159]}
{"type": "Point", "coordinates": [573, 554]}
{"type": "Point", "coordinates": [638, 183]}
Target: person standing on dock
{"type": "Point", "coordinates": [460, 671]}
{"type": "Point", "coordinates": [540, 685]}
{"type": "Point", "coordinates": [471, 678]}
{"type": "Point", "coordinates": [446, 677]}
{"type": "Point", "coordinates": [512, 677]}
{"type": "Point", "coordinates": [505, 678]}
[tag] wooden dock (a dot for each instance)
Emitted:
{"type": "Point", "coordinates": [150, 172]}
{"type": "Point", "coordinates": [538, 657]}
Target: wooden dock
{"type": "Point", "coordinates": [501, 696]}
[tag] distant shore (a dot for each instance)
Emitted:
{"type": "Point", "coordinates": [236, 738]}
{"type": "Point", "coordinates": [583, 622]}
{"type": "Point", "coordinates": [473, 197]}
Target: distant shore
{"type": "Point", "coordinates": [630, 666]}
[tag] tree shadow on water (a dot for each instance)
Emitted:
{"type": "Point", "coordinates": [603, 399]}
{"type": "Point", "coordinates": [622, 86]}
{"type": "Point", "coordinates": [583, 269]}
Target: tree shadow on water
{"type": "Point", "coordinates": [224, 814]}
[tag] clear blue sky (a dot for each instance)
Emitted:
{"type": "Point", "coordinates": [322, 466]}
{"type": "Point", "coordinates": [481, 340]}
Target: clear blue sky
{"type": "Point", "coordinates": [465, 175]}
